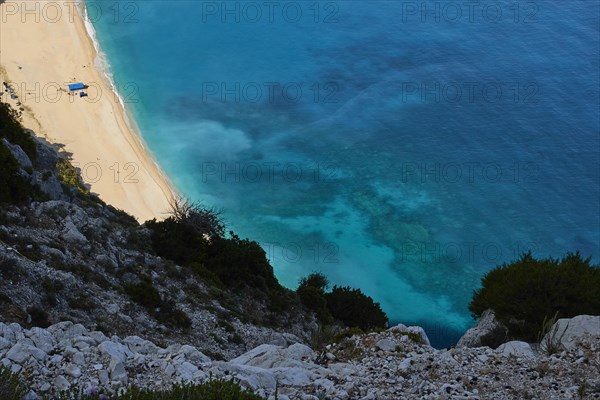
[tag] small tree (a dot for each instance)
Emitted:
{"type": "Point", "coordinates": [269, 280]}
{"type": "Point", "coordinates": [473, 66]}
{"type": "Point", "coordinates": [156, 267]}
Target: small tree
{"type": "Point", "coordinates": [528, 290]}
{"type": "Point", "coordinates": [355, 309]}
{"type": "Point", "coordinates": [203, 220]}
{"type": "Point", "coordinates": [316, 280]}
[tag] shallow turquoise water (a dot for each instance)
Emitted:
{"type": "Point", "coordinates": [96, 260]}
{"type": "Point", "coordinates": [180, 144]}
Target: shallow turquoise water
{"type": "Point", "coordinates": [402, 152]}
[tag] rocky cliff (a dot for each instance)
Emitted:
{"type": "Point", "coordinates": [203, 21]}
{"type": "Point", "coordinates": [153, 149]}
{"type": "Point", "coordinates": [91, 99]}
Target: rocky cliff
{"type": "Point", "coordinates": [394, 364]}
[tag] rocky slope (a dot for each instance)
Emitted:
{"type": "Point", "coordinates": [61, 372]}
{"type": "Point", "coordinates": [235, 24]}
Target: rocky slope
{"type": "Point", "coordinates": [394, 364]}
{"type": "Point", "coordinates": [71, 257]}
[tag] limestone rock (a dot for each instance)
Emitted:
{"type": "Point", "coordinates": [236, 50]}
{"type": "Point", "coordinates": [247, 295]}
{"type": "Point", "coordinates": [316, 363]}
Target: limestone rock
{"type": "Point", "coordinates": [566, 331]}
{"type": "Point", "coordinates": [516, 348]}
{"type": "Point", "coordinates": [387, 345]}
{"type": "Point", "coordinates": [487, 332]}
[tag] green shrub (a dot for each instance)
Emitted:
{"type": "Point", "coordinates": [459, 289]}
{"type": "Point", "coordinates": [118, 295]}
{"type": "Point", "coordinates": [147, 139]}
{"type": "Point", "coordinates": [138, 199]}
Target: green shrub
{"type": "Point", "coordinates": [10, 269]}
{"type": "Point", "coordinates": [144, 294]}
{"type": "Point", "coordinates": [164, 311]}
{"type": "Point", "coordinates": [171, 315]}
{"type": "Point", "coordinates": [177, 241]}
{"type": "Point", "coordinates": [240, 262]}
{"type": "Point", "coordinates": [11, 386]}
{"type": "Point", "coordinates": [316, 280]}
{"type": "Point", "coordinates": [525, 292]}
{"type": "Point", "coordinates": [70, 177]}
{"type": "Point", "coordinates": [314, 299]}
{"type": "Point", "coordinates": [13, 131]}
{"type": "Point", "coordinates": [39, 316]}
{"type": "Point", "coordinates": [355, 309]}
{"type": "Point", "coordinates": [214, 389]}
{"type": "Point", "coordinates": [16, 189]}
{"type": "Point", "coordinates": [194, 236]}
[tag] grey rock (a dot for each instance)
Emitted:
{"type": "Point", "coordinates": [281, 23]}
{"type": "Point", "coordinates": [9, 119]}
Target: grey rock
{"type": "Point", "coordinates": [516, 348]}
{"type": "Point", "coordinates": [73, 371]}
{"type": "Point", "coordinates": [193, 354]}
{"type": "Point", "coordinates": [186, 371]}
{"type": "Point", "coordinates": [4, 344]}
{"type": "Point", "coordinates": [18, 154]}
{"type": "Point", "coordinates": [566, 331]}
{"type": "Point", "coordinates": [386, 344]}
{"type": "Point", "coordinates": [116, 351]}
{"type": "Point", "coordinates": [72, 235]}
{"type": "Point", "coordinates": [401, 328]}
{"type": "Point", "coordinates": [42, 339]}
{"type": "Point", "coordinates": [487, 332]}
{"type": "Point", "coordinates": [22, 352]}
{"type": "Point", "coordinates": [117, 371]}
{"type": "Point", "coordinates": [61, 383]}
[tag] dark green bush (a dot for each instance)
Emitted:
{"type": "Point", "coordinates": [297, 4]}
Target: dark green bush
{"type": "Point", "coordinates": [240, 262]}
{"type": "Point", "coordinates": [177, 241]}
{"type": "Point", "coordinates": [169, 314]}
{"type": "Point", "coordinates": [11, 386]}
{"type": "Point", "coordinates": [315, 280]}
{"type": "Point", "coordinates": [528, 290]}
{"type": "Point", "coordinates": [314, 299]}
{"type": "Point", "coordinates": [39, 316]}
{"type": "Point", "coordinates": [16, 188]}
{"type": "Point", "coordinates": [235, 262]}
{"type": "Point", "coordinates": [355, 309]}
{"type": "Point", "coordinates": [13, 131]}
{"type": "Point", "coordinates": [164, 311]}
{"type": "Point", "coordinates": [349, 306]}
{"type": "Point", "coordinates": [144, 294]}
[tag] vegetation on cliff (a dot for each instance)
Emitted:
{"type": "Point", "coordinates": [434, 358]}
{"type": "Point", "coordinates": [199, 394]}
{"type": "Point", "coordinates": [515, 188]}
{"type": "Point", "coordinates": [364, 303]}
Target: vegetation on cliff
{"type": "Point", "coordinates": [527, 291]}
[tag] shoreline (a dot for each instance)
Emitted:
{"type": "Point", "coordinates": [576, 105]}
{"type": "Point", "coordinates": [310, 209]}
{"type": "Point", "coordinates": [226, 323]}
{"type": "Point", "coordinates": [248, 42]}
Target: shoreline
{"type": "Point", "coordinates": [99, 131]}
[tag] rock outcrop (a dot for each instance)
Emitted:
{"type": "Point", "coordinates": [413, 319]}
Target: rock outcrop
{"type": "Point", "coordinates": [565, 333]}
{"type": "Point", "coordinates": [488, 332]}
{"type": "Point", "coordinates": [386, 365]}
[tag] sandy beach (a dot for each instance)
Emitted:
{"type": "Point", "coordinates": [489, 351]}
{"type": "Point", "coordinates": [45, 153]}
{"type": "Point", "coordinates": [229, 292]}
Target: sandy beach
{"type": "Point", "coordinates": [43, 47]}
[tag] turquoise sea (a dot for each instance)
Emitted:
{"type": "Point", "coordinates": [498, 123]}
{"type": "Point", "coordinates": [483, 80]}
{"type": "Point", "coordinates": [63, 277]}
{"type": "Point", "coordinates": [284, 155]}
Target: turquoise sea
{"type": "Point", "coordinates": [402, 147]}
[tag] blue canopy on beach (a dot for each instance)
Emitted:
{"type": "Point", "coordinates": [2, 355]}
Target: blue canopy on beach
{"type": "Point", "coordinates": [76, 86]}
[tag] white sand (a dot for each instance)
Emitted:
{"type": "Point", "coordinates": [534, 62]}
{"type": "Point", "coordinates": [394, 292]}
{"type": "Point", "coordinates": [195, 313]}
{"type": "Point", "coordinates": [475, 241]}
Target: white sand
{"type": "Point", "coordinates": [43, 51]}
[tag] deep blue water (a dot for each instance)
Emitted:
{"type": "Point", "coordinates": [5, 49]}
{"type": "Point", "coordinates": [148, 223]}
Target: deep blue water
{"type": "Point", "coordinates": [399, 150]}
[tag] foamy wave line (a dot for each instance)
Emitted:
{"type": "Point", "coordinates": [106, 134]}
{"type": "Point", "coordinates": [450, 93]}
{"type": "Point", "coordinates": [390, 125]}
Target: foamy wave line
{"type": "Point", "coordinates": [103, 66]}
{"type": "Point", "coordinates": [101, 61]}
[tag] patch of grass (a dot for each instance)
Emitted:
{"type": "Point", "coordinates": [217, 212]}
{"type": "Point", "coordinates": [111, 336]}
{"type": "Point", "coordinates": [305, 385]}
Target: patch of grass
{"type": "Point", "coordinates": [70, 177]}
{"type": "Point", "coordinates": [214, 389]}
{"type": "Point", "coordinates": [549, 337]}
{"type": "Point", "coordinates": [11, 385]}
{"type": "Point", "coordinates": [412, 336]}
{"type": "Point", "coordinates": [237, 339]}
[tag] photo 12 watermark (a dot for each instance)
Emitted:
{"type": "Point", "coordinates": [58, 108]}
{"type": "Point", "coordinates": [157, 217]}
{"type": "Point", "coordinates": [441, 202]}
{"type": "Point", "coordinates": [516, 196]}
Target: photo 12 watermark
{"type": "Point", "coordinates": [126, 12]}
{"type": "Point", "coordinates": [470, 92]}
{"type": "Point", "coordinates": [306, 253]}
{"type": "Point", "coordinates": [462, 252]}
{"type": "Point", "coordinates": [270, 92]}
{"type": "Point", "coordinates": [116, 172]}
{"type": "Point", "coordinates": [269, 172]}
{"type": "Point", "coordinates": [469, 172]}
{"type": "Point", "coordinates": [271, 12]}
{"type": "Point", "coordinates": [469, 12]}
